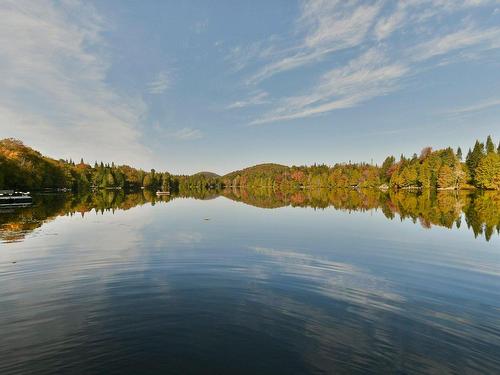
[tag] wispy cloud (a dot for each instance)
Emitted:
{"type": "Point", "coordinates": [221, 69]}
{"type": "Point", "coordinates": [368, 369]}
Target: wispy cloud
{"type": "Point", "coordinates": [365, 77]}
{"type": "Point", "coordinates": [471, 37]}
{"type": "Point", "coordinates": [328, 26]}
{"type": "Point", "coordinates": [385, 26]}
{"type": "Point", "coordinates": [364, 51]}
{"type": "Point", "coordinates": [477, 107]}
{"type": "Point", "coordinates": [53, 65]}
{"type": "Point", "coordinates": [185, 134]}
{"type": "Point", "coordinates": [255, 99]}
{"type": "Point", "coordinates": [240, 57]}
{"type": "Point", "coordinates": [160, 84]}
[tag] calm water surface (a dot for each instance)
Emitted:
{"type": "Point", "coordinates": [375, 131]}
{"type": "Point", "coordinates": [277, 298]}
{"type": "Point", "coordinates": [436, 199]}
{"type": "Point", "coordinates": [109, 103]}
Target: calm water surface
{"type": "Point", "coordinates": [219, 286]}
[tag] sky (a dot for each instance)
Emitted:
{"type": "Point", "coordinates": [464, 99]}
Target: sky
{"type": "Point", "coordinates": [188, 86]}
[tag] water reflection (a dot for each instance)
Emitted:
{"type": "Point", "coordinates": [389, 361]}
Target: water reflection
{"type": "Point", "coordinates": [289, 291]}
{"type": "Point", "coordinates": [479, 211]}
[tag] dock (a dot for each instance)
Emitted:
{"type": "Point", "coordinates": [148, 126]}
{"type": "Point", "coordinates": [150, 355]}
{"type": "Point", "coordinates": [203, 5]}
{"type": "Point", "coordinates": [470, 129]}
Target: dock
{"type": "Point", "coordinates": [15, 198]}
{"type": "Point", "coordinates": [162, 193]}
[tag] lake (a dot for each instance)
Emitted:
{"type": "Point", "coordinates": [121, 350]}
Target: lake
{"type": "Point", "coordinates": [251, 282]}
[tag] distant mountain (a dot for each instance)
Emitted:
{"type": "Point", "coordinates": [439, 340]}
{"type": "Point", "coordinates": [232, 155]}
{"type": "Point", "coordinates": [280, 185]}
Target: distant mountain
{"type": "Point", "coordinates": [265, 169]}
{"type": "Point", "coordinates": [207, 174]}
{"type": "Point", "coordinates": [258, 175]}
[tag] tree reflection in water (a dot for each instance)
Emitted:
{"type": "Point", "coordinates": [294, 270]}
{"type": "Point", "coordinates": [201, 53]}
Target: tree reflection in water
{"type": "Point", "coordinates": [480, 210]}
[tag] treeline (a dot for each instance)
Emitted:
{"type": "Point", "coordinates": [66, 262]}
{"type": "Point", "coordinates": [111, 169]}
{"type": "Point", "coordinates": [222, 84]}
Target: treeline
{"type": "Point", "coordinates": [442, 169]}
{"type": "Point", "coordinates": [21, 167]}
{"type": "Point", "coordinates": [198, 182]}
{"type": "Point", "coordinates": [24, 168]}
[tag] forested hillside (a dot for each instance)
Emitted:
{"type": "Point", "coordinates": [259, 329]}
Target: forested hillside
{"type": "Point", "coordinates": [24, 168]}
{"type": "Point", "coordinates": [441, 169]}
{"type": "Point", "coordinates": [21, 167]}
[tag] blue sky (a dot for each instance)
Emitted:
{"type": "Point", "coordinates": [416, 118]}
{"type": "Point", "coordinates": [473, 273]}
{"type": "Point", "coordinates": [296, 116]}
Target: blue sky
{"type": "Point", "coordinates": [197, 85]}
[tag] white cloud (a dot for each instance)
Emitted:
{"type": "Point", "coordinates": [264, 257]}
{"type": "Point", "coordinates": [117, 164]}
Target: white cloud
{"type": "Point", "coordinates": [329, 26]}
{"type": "Point", "coordinates": [185, 134]}
{"type": "Point", "coordinates": [477, 107]}
{"type": "Point", "coordinates": [255, 99]}
{"type": "Point", "coordinates": [160, 84]}
{"type": "Point", "coordinates": [337, 24]}
{"type": "Point", "coordinates": [54, 94]}
{"type": "Point", "coordinates": [366, 49]}
{"type": "Point", "coordinates": [365, 77]}
{"type": "Point", "coordinates": [387, 25]}
{"type": "Point", "coordinates": [470, 37]}
{"type": "Point", "coordinates": [240, 57]}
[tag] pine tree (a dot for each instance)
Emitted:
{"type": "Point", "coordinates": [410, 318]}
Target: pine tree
{"type": "Point", "coordinates": [425, 175]}
{"type": "Point", "coordinates": [459, 153]}
{"type": "Point", "coordinates": [386, 166]}
{"type": "Point", "coordinates": [498, 148]}
{"type": "Point", "coordinates": [488, 172]}
{"type": "Point", "coordinates": [490, 146]}
{"type": "Point", "coordinates": [474, 158]}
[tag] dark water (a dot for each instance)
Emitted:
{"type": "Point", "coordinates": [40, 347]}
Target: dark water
{"type": "Point", "coordinates": [372, 283]}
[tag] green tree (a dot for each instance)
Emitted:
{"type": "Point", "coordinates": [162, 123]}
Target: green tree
{"type": "Point", "coordinates": [488, 172]}
{"type": "Point", "coordinates": [459, 153]}
{"type": "Point", "coordinates": [408, 177]}
{"type": "Point", "coordinates": [474, 158]}
{"type": "Point", "coordinates": [386, 167]}
{"type": "Point", "coordinates": [425, 175]}
{"type": "Point", "coordinates": [490, 146]}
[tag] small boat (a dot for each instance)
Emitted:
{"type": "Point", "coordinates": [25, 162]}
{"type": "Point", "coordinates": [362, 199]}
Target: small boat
{"type": "Point", "coordinates": [15, 198]}
{"type": "Point", "coordinates": [162, 193]}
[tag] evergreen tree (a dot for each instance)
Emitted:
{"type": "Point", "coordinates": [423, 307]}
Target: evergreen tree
{"type": "Point", "coordinates": [425, 175]}
{"type": "Point", "coordinates": [490, 146]}
{"type": "Point", "coordinates": [474, 158]}
{"type": "Point", "coordinates": [386, 167]}
{"type": "Point", "coordinates": [488, 172]}
{"type": "Point", "coordinates": [459, 153]}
